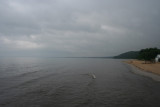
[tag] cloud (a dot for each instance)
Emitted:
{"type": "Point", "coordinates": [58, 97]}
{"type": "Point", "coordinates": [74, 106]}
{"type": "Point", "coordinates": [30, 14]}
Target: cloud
{"type": "Point", "coordinates": [19, 44]}
{"type": "Point", "coordinates": [78, 28]}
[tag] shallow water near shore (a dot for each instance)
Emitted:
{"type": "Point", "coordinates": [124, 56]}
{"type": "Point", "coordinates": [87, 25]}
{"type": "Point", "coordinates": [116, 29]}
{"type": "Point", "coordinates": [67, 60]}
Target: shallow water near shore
{"type": "Point", "coordinates": [68, 82]}
{"type": "Point", "coordinates": [142, 72]}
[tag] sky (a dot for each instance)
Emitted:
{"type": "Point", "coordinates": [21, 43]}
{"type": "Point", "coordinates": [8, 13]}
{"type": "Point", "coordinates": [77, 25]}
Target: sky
{"type": "Point", "coordinates": [78, 28]}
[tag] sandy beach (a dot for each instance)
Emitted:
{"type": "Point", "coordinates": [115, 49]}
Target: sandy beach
{"type": "Point", "coordinates": [149, 67]}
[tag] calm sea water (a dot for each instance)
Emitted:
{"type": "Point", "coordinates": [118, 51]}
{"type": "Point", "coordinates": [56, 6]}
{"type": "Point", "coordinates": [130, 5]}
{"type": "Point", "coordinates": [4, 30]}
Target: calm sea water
{"type": "Point", "coordinates": [68, 82]}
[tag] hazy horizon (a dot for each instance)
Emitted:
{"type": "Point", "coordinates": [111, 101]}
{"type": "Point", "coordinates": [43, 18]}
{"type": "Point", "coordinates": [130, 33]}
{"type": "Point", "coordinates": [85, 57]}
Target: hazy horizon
{"type": "Point", "coordinates": [76, 28]}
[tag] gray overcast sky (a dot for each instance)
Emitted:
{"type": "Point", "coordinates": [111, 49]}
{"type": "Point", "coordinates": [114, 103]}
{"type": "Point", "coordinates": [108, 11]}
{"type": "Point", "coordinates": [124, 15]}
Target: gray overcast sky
{"type": "Point", "coordinates": [78, 27]}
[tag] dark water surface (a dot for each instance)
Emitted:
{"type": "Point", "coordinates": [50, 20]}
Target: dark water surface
{"type": "Point", "coordinates": [67, 82]}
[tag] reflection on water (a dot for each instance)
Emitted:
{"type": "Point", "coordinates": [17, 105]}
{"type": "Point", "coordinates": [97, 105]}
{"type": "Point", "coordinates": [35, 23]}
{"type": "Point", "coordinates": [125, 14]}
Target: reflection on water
{"type": "Point", "coordinates": [69, 82]}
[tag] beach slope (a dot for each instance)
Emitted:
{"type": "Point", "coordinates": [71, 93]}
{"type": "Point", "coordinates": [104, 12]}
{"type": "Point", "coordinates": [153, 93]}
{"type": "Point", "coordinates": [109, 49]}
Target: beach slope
{"type": "Point", "coordinates": [149, 67]}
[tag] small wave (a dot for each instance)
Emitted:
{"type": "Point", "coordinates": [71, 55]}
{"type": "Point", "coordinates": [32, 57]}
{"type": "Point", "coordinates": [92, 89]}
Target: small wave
{"type": "Point", "coordinates": [91, 75]}
{"type": "Point", "coordinates": [27, 73]}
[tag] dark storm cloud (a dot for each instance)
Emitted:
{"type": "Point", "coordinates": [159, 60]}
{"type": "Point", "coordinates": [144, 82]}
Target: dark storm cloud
{"type": "Point", "coordinates": [78, 28]}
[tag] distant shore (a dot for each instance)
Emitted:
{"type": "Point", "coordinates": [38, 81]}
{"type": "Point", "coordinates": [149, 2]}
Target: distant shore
{"type": "Point", "coordinates": [149, 67]}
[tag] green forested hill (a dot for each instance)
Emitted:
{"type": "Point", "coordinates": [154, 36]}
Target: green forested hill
{"type": "Point", "coordinates": [128, 55]}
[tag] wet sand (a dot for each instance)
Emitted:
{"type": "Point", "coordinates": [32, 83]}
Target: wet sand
{"type": "Point", "coordinates": [149, 67]}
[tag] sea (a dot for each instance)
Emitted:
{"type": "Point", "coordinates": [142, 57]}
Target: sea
{"type": "Point", "coordinates": [74, 82]}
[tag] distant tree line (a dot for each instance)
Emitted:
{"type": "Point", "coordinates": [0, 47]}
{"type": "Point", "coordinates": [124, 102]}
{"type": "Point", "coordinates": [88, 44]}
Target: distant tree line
{"type": "Point", "coordinates": [148, 54]}
{"type": "Point", "coordinates": [128, 55]}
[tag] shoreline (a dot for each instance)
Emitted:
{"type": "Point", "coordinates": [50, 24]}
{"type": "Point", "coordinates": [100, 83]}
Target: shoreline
{"type": "Point", "coordinates": [149, 69]}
